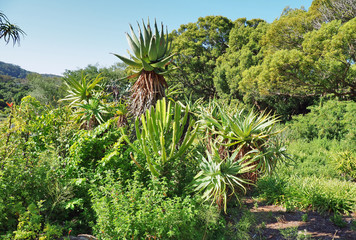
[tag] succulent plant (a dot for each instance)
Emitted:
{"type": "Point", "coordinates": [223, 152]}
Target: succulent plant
{"type": "Point", "coordinates": [151, 55]}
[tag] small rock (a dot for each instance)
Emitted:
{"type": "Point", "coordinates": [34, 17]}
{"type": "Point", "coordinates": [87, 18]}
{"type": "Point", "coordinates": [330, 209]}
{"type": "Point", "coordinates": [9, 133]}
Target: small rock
{"type": "Point", "coordinates": [82, 237]}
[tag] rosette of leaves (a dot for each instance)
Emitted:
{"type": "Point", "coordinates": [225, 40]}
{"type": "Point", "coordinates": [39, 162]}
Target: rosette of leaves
{"type": "Point", "coordinates": [83, 89]}
{"type": "Point", "coordinates": [220, 177]}
{"type": "Point", "coordinates": [151, 55]}
{"type": "Point", "coordinates": [9, 31]}
{"type": "Point", "coordinates": [244, 131]}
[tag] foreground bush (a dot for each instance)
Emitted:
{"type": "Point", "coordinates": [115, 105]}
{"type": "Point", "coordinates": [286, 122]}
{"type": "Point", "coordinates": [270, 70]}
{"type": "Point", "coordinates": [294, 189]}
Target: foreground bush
{"type": "Point", "coordinates": [133, 211]}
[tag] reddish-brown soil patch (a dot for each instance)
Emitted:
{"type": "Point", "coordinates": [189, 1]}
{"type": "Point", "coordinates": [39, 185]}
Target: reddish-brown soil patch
{"type": "Point", "coordinates": [316, 226]}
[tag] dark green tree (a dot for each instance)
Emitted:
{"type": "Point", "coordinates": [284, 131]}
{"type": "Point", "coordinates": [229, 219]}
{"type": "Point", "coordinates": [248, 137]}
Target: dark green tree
{"type": "Point", "coordinates": [199, 45]}
{"type": "Point", "coordinates": [244, 52]}
{"type": "Point", "coordinates": [323, 63]}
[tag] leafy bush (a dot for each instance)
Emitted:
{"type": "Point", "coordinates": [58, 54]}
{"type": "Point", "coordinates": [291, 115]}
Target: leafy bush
{"type": "Point", "coordinates": [309, 192]}
{"type": "Point", "coordinates": [322, 146]}
{"type": "Point", "coordinates": [132, 211]}
{"type": "Point", "coordinates": [90, 146]}
{"type": "Point", "coordinates": [318, 157]}
{"type": "Point", "coordinates": [332, 120]}
{"type": "Point", "coordinates": [346, 163]}
{"type": "Point", "coordinates": [29, 223]}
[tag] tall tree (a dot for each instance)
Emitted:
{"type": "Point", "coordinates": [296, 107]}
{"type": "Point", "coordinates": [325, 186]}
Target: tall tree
{"type": "Point", "coordinates": [199, 45]}
{"type": "Point", "coordinates": [328, 10]}
{"type": "Point", "coordinates": [9, 31]}
{"type": "Point", "coordinates": [47, 90]}
{"type": "Point", "coordinates": [324, 63]}
{"type": "Point", "coordinates": [288, 31]}
{"type": "Point", "coordinates": [243, 52]}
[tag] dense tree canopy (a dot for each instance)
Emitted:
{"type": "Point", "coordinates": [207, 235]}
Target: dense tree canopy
{"type": "Point", "coordinates": [283, 66]}
{"type": "Point", "coordinates": [199, 45]}
{"type": "Point", "coordinates": [323, 64]}
{"type": "Point", "coordinates": [243, 53]}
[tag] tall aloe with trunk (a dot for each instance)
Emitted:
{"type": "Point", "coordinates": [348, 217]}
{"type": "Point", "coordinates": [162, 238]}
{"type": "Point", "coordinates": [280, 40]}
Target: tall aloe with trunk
{"type": "Point", "coordinates": [151, 56]}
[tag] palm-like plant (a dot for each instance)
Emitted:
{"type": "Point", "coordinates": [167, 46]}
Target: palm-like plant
{"type": "Point", "coordinates": [9, 31]}
{"type": "Point", "coordinates": [81, 90]}
{"type": "Point", "coordinates": [151, 56]}
{"type": "Point", "coordinates": [91, 113]}
{"type": "Point", "coordinates": [87, 100]}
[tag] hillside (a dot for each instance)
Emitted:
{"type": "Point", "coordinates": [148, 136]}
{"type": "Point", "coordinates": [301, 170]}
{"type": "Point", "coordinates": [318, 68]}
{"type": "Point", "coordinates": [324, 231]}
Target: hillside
{"type": "Point", "coordinates": [16, 82]}
{"type": "Point", "coordinates": [12, 70]}
{"type": "Point", "coordinates": [15, 71]}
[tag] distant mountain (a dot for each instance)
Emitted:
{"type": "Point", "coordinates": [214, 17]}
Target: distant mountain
{"type": "Point", "coordinates": [15, 71]}
{"type": "Point", "coordinates": [12, 70]}
{"type": "Point", "coordinates": [14, 84]}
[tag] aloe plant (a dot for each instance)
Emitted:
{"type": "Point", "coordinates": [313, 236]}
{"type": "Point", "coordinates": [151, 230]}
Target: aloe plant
{"type": "Point", "coordinates": [92, 113]}
{"type": "Point", "coordinates": [81, 90]}
{"type": "Point", "coordinates": [220, 178]}
{"type": "Point", "coordinates": [244, 132]}
{"type": "Point", "coordinates": [9, 31]}
{"type": "Point", "coordinates": [163, 136]}
{"type": "Point", "coordinates": [150, 59]}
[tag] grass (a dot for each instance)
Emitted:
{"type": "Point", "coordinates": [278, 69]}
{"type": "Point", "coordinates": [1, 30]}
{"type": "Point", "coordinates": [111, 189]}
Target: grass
{"type": "Point", "coordinates": [312, 180]}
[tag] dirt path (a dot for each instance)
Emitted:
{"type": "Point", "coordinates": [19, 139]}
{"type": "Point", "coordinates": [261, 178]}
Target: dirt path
{"type": "Point", "coordinates": [274, 222]}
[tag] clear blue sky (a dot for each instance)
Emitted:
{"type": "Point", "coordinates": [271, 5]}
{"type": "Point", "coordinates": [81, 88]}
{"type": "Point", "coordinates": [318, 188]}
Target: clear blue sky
{"type": "Point", "coordinates": [71, 34]}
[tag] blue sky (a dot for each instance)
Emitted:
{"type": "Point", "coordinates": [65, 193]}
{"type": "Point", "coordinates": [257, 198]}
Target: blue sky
{"type": "Point", "coordinates": [71, 34]}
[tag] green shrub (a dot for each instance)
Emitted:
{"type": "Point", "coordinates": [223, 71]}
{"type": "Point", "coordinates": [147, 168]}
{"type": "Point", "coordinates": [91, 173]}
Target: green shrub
{"type": "Point", "coordinates": [90, 146]}
{"type": "Point", "coordinates": [30, 223]}
{"type": "Point", "coordinates": [244, 227]}
{"type": "Point", "coordinates": [332, 120]}
{"type": "Point", "coordinates": [309, 192]}
{"type": "Point", "coordinates": [315, 158]}
{"type": "Point", "coordinates": [346, 164]}
{"type": "Point", "coordinates": [132, 211]}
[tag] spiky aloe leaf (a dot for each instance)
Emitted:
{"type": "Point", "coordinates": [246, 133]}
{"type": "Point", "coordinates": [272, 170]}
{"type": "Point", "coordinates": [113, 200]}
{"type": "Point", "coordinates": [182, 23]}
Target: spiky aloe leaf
{"type": "Point", "coordinates": [158, 37]}
{"type": "Point", "coordinates": [162, 62]}
{"type": "Point", "coordinates": [147, 66]}
{"type": "Point", "coordinates": [135, 48]}
{"type": "Point", "coordinates": [134, 37]}
{"type": "Point", "coordinates": [162, 48]}
{"type": "Point", "coordinates": [146, 34]}
{"type": "Point", "coordinates": [152, 51]}
{"type": "Point", "coordinates": [128, 61]}
{"type": "Point", "coordinates": [165, 72]}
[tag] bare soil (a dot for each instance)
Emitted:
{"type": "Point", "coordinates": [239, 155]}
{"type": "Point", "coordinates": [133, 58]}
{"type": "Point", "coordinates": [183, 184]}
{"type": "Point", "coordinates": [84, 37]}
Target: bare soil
{"type": "Point", "coordinates": [271, 219]}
